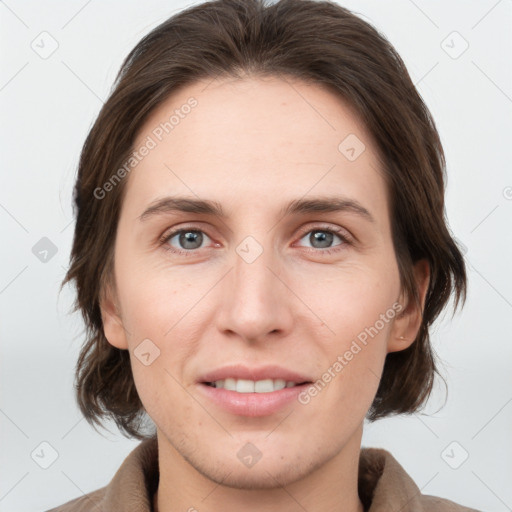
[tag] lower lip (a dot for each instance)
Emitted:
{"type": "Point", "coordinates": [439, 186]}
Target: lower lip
{"type": "Point", "coordinates": [252, 404]}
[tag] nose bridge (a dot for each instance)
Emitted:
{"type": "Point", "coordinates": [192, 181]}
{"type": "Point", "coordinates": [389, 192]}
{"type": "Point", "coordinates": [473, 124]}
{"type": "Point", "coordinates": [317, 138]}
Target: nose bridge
{"type": "Point", "coordinates": [253, 280]}
{"type": "Point", "coordinates": [253, 301]}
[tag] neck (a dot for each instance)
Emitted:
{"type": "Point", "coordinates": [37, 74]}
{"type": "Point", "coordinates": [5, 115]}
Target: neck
{"type": "Point", "coordinates": [333, 486]}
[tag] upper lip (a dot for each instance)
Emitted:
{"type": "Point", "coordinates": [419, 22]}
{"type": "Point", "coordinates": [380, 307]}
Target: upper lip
{"type": "Point", "coordinates": [238, 371]}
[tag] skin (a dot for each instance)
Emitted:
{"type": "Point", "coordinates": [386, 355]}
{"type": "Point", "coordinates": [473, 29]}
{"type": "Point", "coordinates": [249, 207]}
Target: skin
{"type": "Point", "coordinates": [253, 145]}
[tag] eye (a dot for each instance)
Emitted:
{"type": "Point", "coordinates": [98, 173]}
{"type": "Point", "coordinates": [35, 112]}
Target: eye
{"type": "Point", "coordinates": [187, 240]}
{"type": "Point", "coordinates": [321, 238]}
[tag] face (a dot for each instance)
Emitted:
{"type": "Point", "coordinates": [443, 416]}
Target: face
{"type": "Point", "coordinates": [263, 291]}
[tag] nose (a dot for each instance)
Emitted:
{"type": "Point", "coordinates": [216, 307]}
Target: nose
{"type": "Point", "coordinates": [256, 301]}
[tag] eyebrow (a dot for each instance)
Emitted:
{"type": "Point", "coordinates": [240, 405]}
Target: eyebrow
{"type": "Point", "coordinates": [319, 204]}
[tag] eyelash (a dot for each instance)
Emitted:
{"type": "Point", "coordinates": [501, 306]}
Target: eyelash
{"type": "Point", "coordinates": [346, 240]}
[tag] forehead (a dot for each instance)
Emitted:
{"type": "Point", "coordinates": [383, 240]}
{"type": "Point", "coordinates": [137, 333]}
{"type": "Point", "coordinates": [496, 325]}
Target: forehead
{"type": "Point", "coordinates": [253, 140]}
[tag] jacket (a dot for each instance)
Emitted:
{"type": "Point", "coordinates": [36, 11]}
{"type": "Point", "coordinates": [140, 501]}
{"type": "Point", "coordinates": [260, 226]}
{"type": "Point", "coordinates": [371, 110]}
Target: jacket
{"type": "Point", "coordinates": [383, 486]}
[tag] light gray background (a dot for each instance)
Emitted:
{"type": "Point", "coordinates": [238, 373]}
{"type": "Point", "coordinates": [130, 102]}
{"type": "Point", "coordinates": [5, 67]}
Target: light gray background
{"type": "Point", "coordinates": [48, 105]}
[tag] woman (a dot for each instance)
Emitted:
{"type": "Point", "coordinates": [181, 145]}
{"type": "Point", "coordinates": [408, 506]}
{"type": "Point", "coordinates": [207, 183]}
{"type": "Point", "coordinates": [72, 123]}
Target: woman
{"type": "Point", "coordinates": [259, 253]}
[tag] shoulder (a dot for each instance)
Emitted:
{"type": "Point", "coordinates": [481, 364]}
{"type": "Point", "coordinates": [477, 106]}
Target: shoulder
{"type": "Point", "coordinates": [91, 502]}
{"type": "Point", "coordinates": [435, 504]}
{"type": "Point", "coordinates": [131, 488]}
{"type": "Point", "coordinates": [385, 485]}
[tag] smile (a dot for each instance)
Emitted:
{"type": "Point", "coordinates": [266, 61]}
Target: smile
{"type": "Point", "coordinates": [251, 386]}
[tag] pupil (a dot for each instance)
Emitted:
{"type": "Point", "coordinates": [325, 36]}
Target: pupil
{"type": "Point", "coordinates": [190, 237]}
{"type": "Point", "coordinates": [323, 238]}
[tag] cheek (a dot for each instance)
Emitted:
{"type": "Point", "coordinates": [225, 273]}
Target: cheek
{"type": "Point", "coordinates": [155, 299]}
{"type": "Point", "coordinates": [353, 359]}
{"type": "Point", "coordinates": [359, 309]}
{"type": "Point", "coordinates": [352, 299]}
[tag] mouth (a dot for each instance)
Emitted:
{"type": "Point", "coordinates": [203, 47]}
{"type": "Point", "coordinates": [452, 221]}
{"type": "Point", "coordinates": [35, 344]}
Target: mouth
{"type": "Point", "coordinates": [252, 386]}
{"type": "Point", "coordinates": [243, 391]}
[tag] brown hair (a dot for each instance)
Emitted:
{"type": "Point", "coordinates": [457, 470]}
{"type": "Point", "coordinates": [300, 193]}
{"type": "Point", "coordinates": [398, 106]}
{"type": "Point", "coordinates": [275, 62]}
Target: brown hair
{"type": "Point", "coordinates": [318, 42]}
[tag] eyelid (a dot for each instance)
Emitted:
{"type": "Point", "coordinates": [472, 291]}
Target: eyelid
{"type": "Point", "coordinates": [341, 232]}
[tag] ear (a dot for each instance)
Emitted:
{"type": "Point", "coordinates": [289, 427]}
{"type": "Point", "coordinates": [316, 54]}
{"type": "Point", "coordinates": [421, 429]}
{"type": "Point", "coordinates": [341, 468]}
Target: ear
{"type": "Point", "coordinates": [113, 327]}
{"type": "Point", "coordinates": [408, 322]}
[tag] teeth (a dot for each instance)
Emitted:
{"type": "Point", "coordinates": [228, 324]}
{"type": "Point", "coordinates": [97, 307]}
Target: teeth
{"type": "Point", "coordinates": [251, 386]}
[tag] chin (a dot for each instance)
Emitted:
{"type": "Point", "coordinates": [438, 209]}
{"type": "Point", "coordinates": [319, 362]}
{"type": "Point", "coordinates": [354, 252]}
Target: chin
{"type": "Point", "coordinates": [273, 469]}
{"type": "Point", "coordinates": [264, 477]}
